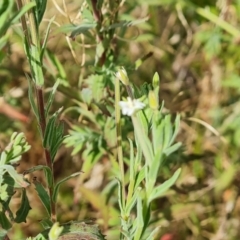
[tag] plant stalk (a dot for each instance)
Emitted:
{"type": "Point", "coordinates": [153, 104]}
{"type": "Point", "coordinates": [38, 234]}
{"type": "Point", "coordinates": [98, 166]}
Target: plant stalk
{"type": "Point", "coordinates": [119, 138]}
{"type": "Point", "coordinates": [32, 37]}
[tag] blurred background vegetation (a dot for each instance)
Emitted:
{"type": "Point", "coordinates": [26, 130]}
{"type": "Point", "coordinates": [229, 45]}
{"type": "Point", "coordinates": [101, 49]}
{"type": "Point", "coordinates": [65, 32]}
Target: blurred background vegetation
{"type": "Point", "coordinates": [194, 46]}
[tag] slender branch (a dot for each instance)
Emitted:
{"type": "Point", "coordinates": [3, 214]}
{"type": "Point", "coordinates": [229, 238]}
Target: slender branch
{"type": "Point", "coordinates": [23, 22]}
{"type": "Point", "coordinates": [32, 36]}
{"type": "Point", "coordinates": [42, 123]}
{"type": "Point", "coordinates": [119, 138]}
{"type": "Point", "coordinates": [40, 104]}
{"type": "Point", "coordinates": [33, 27]}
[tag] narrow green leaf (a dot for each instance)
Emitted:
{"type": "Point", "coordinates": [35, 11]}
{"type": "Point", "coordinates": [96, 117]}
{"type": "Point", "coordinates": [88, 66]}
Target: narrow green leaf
{"type": "Point", "coordinates": [176, 128]}
{"type": "Point", "coordinates": [36, 66]}
{"type": "Point", "coordinates": [82, 29]}
{"type": "Point", "coordinates": [131, 169]}
{"type": "Point", "coordinates": [126, 23]}
{"type": "Point", "coordinates": [50, 131]}
{"type": "Point", "coordinates": [139, 177]}
{"type": "Point", "coordinates": [172, 149]}
{"type": "Point", "coordinates": [131, 203]}
{"type": "Point", "coordinates": [53, 134]}
{"type": "Point", "coordinates": [46, 38]}
{"type": "Point", "coordinates": [153, 170]}
{"type": "Point", "coordinates": [157, 131]}
{"type": "Point", "coordinates": [57, 186]}
{"type": "Point", "coordinates": [87, 15]}
{"type": "Point", "coordinates": [60, 70]}
{"type": "Point", "coordinates": [142, 138]}
{"type": "Point", "coordinates": [121, 204]}
{"type": "Point", "coordinates": [167, 131]}
{"type": "Point", "coordinates": [160, 190]}
{"type": "Point", "coordinates": [51, 97]}
{"type": "Point", "coordinates": [24, 209]}
{"type": "Point", "coordinates": [40, 10]}
{"type": "Point", "coordinates": [79, 29]}
{"type": "Point", "coordinates": [5, 10]}
{"type": "Point", "coordinates": [44, 197]}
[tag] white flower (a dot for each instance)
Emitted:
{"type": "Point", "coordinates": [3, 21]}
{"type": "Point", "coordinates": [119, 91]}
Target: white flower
{"type": "Point", "coordinates": [130, 106]}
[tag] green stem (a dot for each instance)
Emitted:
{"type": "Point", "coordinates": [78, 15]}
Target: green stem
{"type": "Point", "coordinates": [23, 22]}
{"type": "Point", "coordinates": [33, 39]}
{"type": "Point", "coordinates": [119, 138]}
{"type": "Point", "coordinates": [33, 26]}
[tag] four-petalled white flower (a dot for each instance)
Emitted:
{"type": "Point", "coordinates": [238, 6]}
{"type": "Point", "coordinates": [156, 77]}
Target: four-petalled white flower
{"type": "Point", "coordinates": [131, 106]}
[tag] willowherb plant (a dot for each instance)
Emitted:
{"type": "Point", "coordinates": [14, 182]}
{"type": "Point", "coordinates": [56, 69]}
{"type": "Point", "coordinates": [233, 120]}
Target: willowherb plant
{"type": "Point", "coordinates": [154, 139]}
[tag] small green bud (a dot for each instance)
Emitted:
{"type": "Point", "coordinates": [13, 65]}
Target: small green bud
{"type": "Point", "coordinates": [122, 76]}
{"type": "Point", "coordinates": [153, 101]}
{"type": "Point", "coordinates": [18, 139]}
{"type": "Point", "coordinates": [156, 80]}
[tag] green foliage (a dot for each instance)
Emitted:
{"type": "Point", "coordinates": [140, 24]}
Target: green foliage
{"type": "Point", "coordinates": [7, 17]}
{"type": "Point", "coordinates": [53, 136]}
{"type": "Point", "coordinates": [24, 209]}
{"type": "Point", "coordinates": [194, 47]}
{"type": "Point", "coordinates": [57, 186]}
{"type": "Point", "coordinates": [10, 179]}
{"type": "Point", "coordinates": [44, 196]}
{"type": "Point", "coordinates": [40, 10]}
{"type": "Point", "coordinates": [146, 171]}
{"type": "Point", "coordinates": [11, 155]}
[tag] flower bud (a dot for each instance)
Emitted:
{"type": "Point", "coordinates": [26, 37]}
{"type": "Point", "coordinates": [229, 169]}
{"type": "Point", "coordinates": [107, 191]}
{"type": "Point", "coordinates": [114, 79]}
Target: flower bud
{"type": "Point", "coordinates": [156, 80]}
{"type": "Point", "coordinates": [153, 101]}
{"type": "Point", "coordinates": [122, 76]}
